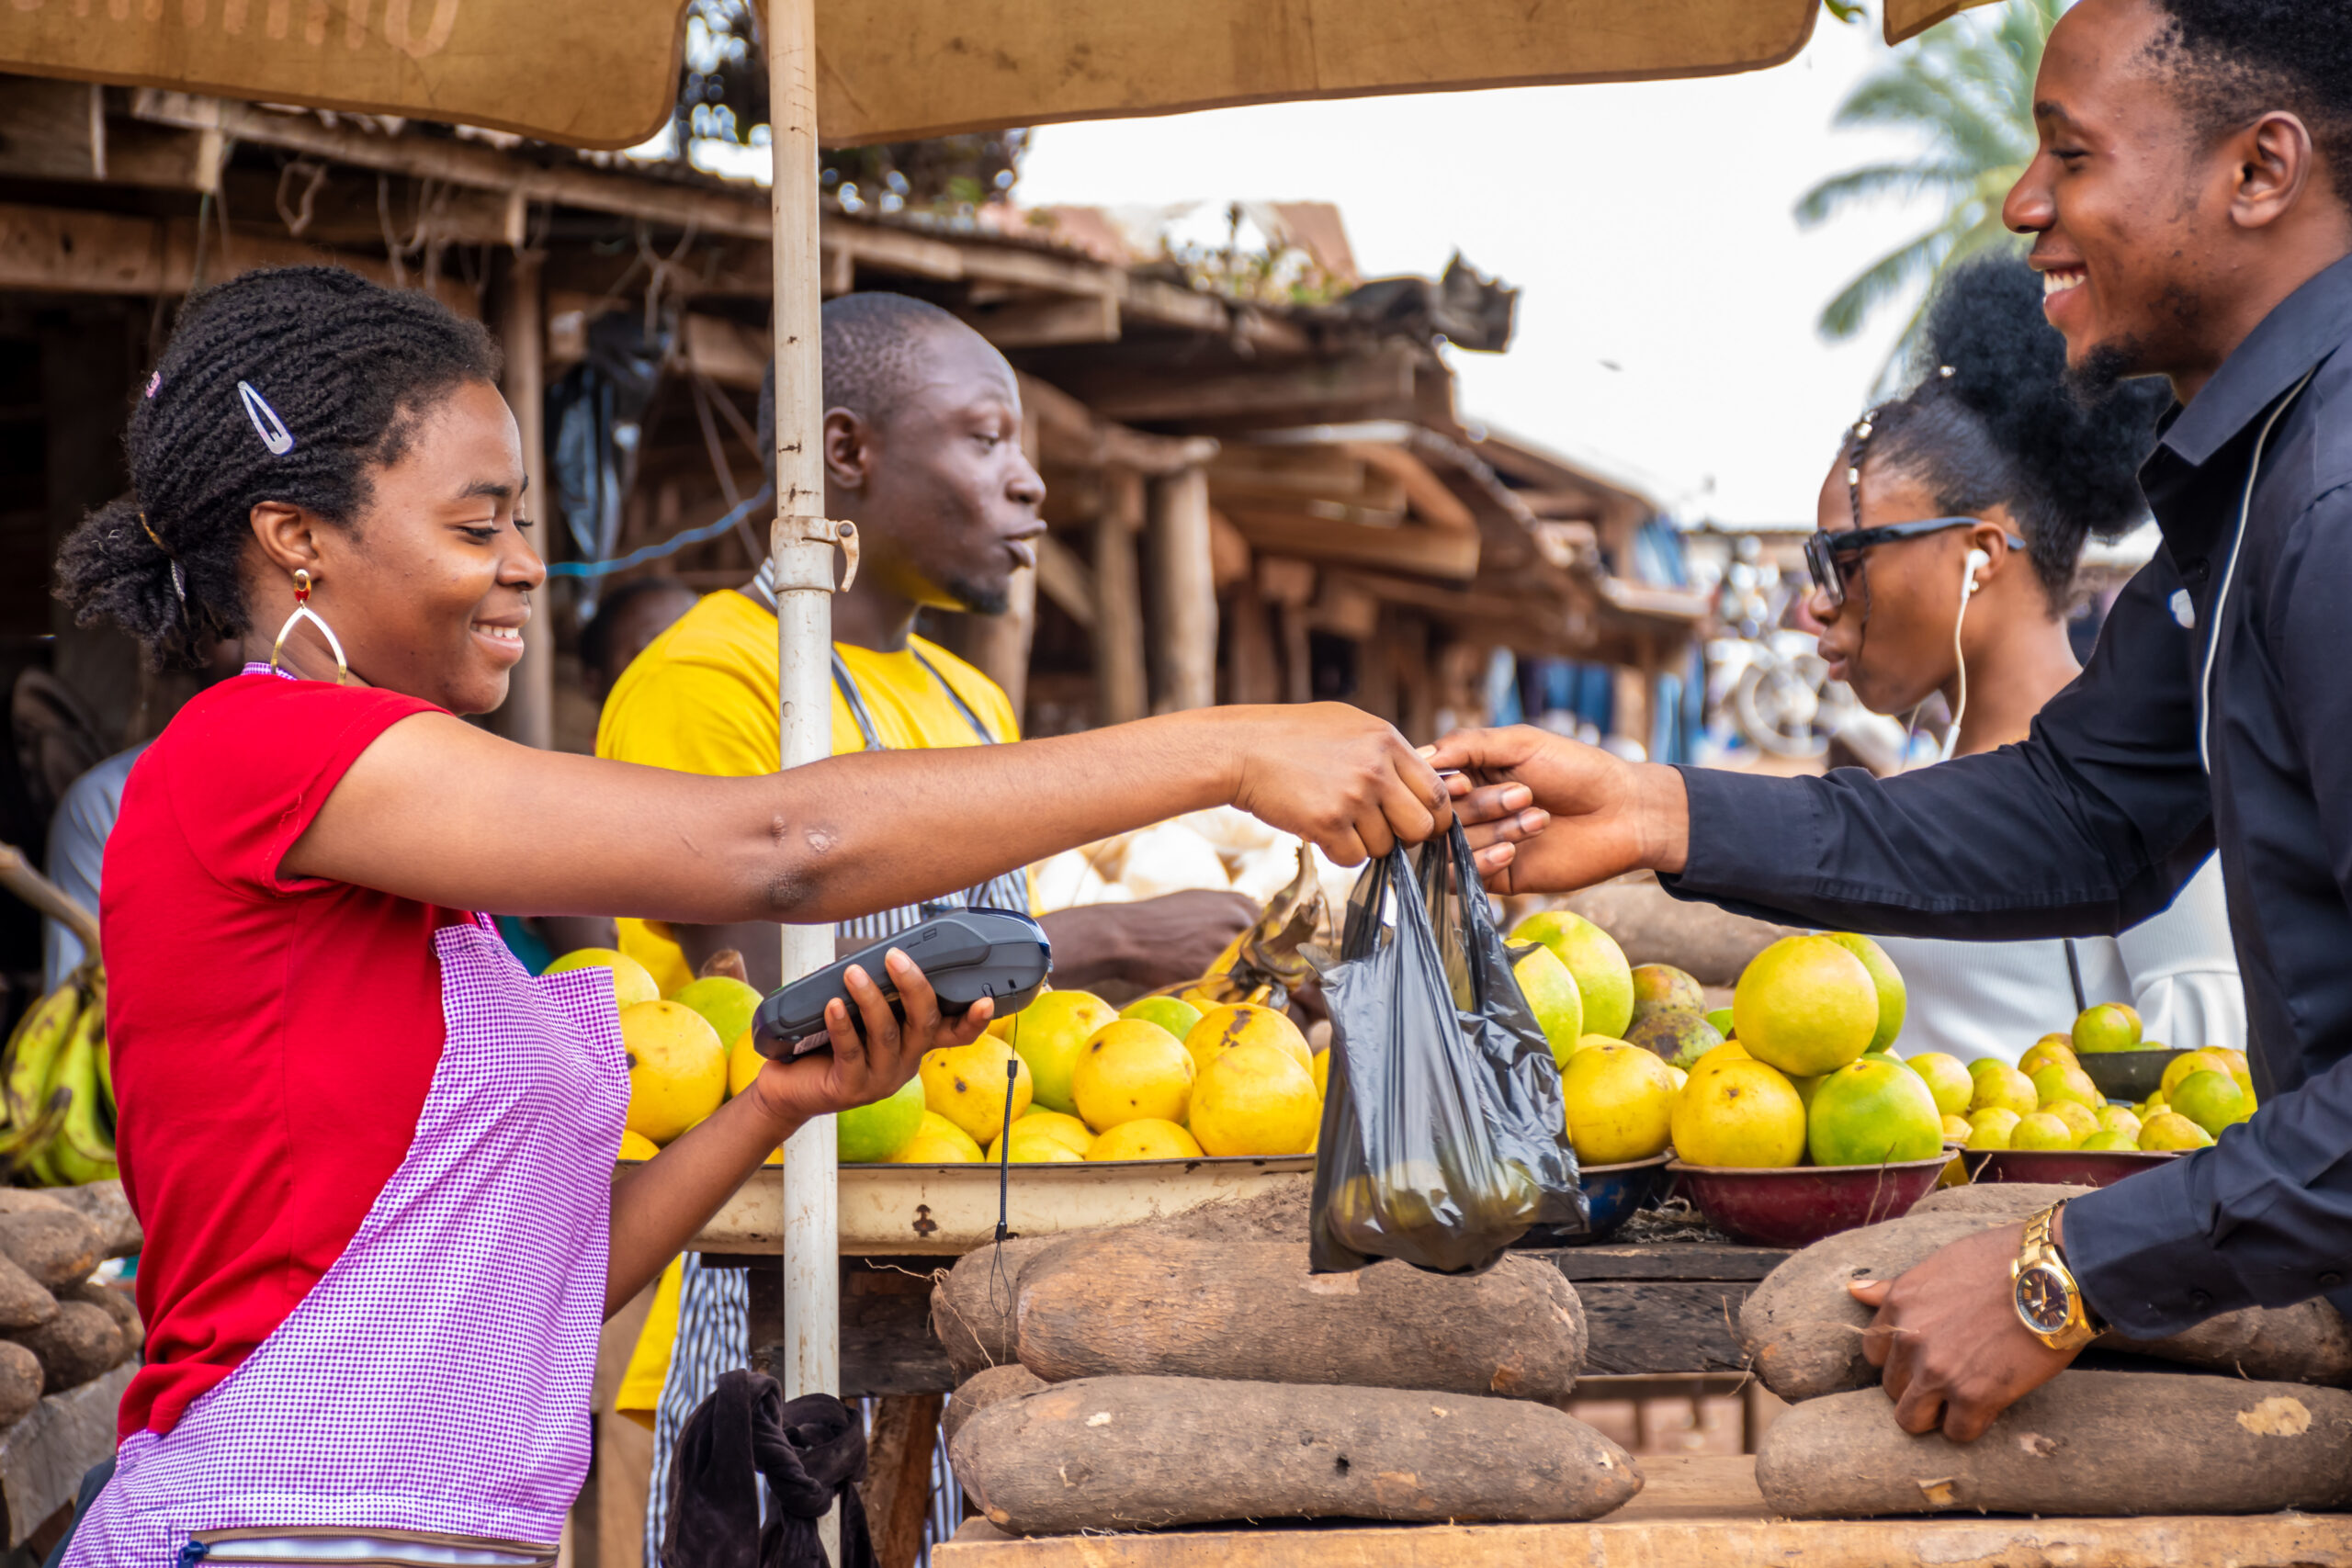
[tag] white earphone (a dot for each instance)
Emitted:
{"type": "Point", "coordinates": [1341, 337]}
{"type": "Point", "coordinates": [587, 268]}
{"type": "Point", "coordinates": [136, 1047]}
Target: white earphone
{"type": "Point", "coordinates": [1978, 561]}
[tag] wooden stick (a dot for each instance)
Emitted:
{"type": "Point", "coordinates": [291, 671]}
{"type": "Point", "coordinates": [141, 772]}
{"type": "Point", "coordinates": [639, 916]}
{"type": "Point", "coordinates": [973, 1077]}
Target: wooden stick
{"type": "Point", "coordinates": [897, 1475]}
{"type": "Point", "coordinates": [17, 875]}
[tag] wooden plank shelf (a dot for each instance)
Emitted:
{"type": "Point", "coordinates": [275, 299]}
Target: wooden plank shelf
{"type": "Point", "coordinates": [1698, 1511]}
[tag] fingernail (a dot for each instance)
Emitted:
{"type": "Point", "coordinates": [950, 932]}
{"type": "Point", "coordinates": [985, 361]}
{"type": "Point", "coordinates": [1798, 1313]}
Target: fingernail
{"type": "Point", "coordinates": [896, 959]}
{"type": "Point", "coordinates": [1535, 821]}
{"type": "Point", "coordinates": [1517, 796]}
{"type": "Point", "coordinates": [1425, 752]}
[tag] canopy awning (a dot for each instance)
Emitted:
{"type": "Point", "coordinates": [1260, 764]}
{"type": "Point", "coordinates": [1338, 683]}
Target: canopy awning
{"type": "Point", "coordinates": [887, 70]}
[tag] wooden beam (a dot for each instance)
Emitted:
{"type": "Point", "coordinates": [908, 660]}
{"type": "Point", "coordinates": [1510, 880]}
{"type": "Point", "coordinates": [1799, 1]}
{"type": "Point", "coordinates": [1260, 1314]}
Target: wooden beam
{"type": "Point", "coordinates": [52, 130]}
{"type": "Point", "coordinates": [1066, 580]}
{"type": "Point", "coordinates": [1184, 591]}
{"type": "Point", "coordinates": [1432, 501]}
{"type": "Point", "coordinates": [725, 352]}
{"type": "Point", "coordinates": [744, 215]}
{"type": "Point", "coordinates": [1433, 552]}
{"type": "Point", "coordinates": [1036, 322]}
{"type": "Point", "coordinates": [75, 251]}
{"type": "Point", "coordinates": [1071, 437]}
{"type": "Point", "coordinates": [1121, 693]}
{"type": "Point", "coordinates": [1378, 385]}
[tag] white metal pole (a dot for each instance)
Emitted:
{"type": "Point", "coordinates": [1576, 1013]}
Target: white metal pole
{"type": "Point", "coordinates": [803, 544]}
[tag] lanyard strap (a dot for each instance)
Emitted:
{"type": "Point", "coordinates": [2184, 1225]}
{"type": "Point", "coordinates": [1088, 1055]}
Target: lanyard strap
{"type": "Point", "coordinates": [846, 683]}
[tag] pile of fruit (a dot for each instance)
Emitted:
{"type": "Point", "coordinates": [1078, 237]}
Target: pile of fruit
{"type": "Point", "coordinates": [1163, 1079]}
{"type": "Point", "coordinates": [1168, 1079]}
{"type": "Point", "coordinates": [2048, 1101]}
{"type": "Point", "coordinates": [1797, 1070]}
{"type": "Point", "coordinates": [57, 1081]}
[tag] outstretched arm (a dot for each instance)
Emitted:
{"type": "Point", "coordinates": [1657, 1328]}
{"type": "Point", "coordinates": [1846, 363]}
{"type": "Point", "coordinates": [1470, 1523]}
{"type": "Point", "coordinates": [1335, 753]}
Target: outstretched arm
{"type": "Point", "coordinates": [438, 811]}
{"type": "Point", "coordinates": [2089, 827]}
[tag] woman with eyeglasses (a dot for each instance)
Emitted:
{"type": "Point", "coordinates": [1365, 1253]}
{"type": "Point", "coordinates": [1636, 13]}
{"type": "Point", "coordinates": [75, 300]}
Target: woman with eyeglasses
{"type": "Point", "coordinates": [1952, 526]}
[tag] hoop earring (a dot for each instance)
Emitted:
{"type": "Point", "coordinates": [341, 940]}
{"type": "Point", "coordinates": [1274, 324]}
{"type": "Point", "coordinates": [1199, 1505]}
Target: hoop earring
{"type": "Point", "coordinates": [302, 612]}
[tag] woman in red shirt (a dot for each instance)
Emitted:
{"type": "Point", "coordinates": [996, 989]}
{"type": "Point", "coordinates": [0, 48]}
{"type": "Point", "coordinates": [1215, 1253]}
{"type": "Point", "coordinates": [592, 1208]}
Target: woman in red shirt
{"type": "Point", "coordinates": [373, 1156]}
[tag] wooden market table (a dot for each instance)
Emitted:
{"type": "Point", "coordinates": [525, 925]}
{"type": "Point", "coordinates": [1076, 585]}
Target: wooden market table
{"type": "Point", "coordinates": [1698, 1511]}
{"type": "Point", "coordinates": [1660, 1318]}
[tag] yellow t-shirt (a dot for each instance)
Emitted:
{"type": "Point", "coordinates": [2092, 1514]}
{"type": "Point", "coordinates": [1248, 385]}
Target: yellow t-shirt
{"type": "Point", "coordinates": [702, 698]}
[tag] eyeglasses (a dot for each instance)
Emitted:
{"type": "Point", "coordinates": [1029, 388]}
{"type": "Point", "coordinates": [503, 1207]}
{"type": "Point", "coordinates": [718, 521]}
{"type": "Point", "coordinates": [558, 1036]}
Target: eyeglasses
{"type": "Point", "coordinates": [1832, 557]}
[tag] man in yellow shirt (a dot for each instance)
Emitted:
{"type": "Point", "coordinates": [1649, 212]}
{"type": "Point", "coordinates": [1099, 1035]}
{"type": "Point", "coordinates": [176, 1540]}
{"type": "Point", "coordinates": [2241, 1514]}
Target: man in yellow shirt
{"type": "Point", "coordinates": [922, 452]}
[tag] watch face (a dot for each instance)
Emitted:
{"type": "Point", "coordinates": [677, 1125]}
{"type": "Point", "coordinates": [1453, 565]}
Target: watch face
{"type": "Point", "coordinates": [2043, 1299]}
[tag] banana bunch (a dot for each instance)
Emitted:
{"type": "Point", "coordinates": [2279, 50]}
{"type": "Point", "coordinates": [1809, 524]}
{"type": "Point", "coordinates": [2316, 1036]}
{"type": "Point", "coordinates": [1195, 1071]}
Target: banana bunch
{"type": "Point", "coordinates": [1263, 964]}
{"type": "Point", "coordinates": [57, 1088]}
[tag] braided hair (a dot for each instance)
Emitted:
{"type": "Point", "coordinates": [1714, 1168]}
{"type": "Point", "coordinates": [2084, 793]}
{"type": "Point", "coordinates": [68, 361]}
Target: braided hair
{"type": "Point", "coordinates": [344, 367]}
{"type": "Point", "coordinates": [1993, 421]}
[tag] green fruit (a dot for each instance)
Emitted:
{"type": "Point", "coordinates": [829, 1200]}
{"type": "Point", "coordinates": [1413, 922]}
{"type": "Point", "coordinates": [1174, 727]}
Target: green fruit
{"type": "Point", "coordinates": [1661, 988]}
{"type": "Point", "coordinates": [1604, 980]}
{"type": "Point", "coordinates": [727, 1003]}
{"type": "Point", "coordinates": [1894, 998]}
{"type": "Point", "coordinates": [1171, 1013]}
{"type": "Point", "coordinates": [1720, 1019]}
{"type": "Point", "coordinates": [1874, 1113]}
{"type": "Point", "coordinates": [631, 983]}
{"type": "Point", "coordinates": [2105, 1141]}
{"type": "Point", "coordinates": [1946, 1079]}
{"type": "Point", "coordinates": [2212, 1101]}
{"type": "Point", "coordinates": [1991, 1129]}
{"type": "Point", "coordinates": [1805, 1005]}
{"type": "Point", "coordinates": [2059, 1081]}
{"type": "Point", "coordinates": [1552, 995]}
{"type": "Point", "coordinates": [872, 1134]}
{"type": "Point", "coordinates": [2111, 1026]}
{"type": "Point", "coordinates": [1983, 1064]}
{"type": "Point", "coordinates": [2169, 1130]}
{"type": "Point", "coordinates": [2042, 1131]}
{"type": "Point", "coordinates": [1680, 1037]}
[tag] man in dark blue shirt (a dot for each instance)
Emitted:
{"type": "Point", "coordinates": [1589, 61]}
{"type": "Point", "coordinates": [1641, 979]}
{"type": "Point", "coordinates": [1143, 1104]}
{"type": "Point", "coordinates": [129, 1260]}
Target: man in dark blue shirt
{"type": "Point", "coordinates": [2191, 212]}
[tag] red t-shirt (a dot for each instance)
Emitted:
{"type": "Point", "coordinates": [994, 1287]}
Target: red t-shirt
{"type": "Point", "coordinates": [273, 1039]}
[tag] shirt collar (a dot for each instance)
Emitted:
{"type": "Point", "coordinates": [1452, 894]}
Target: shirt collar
{"type": "Point", "coordinates": [2307, 327]}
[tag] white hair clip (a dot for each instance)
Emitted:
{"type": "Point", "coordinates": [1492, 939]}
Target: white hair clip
{"type": "Point", "coordinates": [266, 425]}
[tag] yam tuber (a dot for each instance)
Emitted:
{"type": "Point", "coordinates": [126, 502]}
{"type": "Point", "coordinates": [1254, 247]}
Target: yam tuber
{"type": "Point", "coordinates": [75, 1346]}
{"type": "Point", "coordinates": [20, 1382]}
{"type": "Point", "coordinates": [971, 1310]}
{"type": "Point", "coordinates": [1122, 1305]}
{"type": "Point", "coordinates": [981, 1390]}
{"type": "Point", "coordinates": [55, 1246]}
{"type": "Point", "coordinates": [2083, 1445]}
{"type": "Point", "coordinates": [1129, 1453]}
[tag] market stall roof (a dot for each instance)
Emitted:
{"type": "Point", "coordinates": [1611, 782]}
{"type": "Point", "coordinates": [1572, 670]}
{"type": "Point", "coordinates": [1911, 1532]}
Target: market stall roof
{"type": "Point", "coordinates": [885, 72]}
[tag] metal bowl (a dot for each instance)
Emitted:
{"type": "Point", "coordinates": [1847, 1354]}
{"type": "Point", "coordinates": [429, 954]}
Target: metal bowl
{"type": "Point", "coordinates": [2127, 1075]}
{"type": "Point", "coordinates": [1612, 1193]}
{"type": "Point", "coordinates": [2063, 1168]}
{"type": "Point", "coordinates": [1798, 1206]}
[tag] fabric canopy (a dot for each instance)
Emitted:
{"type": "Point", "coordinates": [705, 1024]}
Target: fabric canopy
{"type": "Point", "coordinates": [603, 73]}
{"type": "Point", "coordinates": [1909, 18]}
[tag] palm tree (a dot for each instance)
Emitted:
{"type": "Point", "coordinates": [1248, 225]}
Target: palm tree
{"type": "Point", "coordinates": [1967, 89]}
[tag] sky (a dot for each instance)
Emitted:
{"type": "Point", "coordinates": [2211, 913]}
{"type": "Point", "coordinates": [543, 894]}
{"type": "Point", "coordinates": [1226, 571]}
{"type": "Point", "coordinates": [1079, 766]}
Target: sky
{"type": "Point", "coordinates": [1666, 326]}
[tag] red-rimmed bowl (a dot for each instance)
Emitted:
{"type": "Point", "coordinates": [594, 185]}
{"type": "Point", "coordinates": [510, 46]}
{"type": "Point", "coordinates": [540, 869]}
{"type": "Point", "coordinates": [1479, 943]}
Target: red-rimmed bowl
{"type": "Point", "coordinates": [2063, 1167]}
{"type": "Point", "coordinates": [1801, 1204]}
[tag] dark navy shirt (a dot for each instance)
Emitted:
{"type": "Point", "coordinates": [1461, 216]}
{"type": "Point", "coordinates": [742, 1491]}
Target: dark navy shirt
{"type": "Point", "coordinates": [2095, 822]}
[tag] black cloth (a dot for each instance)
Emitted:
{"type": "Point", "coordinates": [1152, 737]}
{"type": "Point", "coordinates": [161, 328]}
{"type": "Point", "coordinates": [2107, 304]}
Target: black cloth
{"type": "Point", "coordinates": [812, 1451]}
{"type": "Point", "coordinates": [2094, 823]}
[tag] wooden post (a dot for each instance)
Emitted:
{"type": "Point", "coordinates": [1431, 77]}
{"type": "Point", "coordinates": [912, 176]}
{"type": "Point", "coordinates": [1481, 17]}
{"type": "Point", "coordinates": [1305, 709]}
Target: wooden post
{"type": "Point", "coordinates": [802, 544]}
{"type": "Point", "coordinates": [528, 713]}
{"type": "Point", "coordinates": [998, 646]}
{"type": "Point", "coordinates": [1253, 672]}
{"type": "Point", "coordinates": [1184, 591]}
{"type": "Point", "coordinates": [1118, 600]}
{"type": "Point", "coordinates": [897, 1475]}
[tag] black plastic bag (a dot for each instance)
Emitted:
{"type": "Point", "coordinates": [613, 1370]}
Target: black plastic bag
{"type": "Point", "coordinates": [1443, 1131]}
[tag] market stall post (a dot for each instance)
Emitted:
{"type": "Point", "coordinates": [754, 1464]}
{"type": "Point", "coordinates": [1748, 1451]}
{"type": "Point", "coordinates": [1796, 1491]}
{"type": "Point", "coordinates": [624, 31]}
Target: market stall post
{"type": "Point", "coordinates": [528, 714]}
{"type": "Point", "coordinates": [802, 546]}
{"type": "Point", "coordinates": [1183, 589]}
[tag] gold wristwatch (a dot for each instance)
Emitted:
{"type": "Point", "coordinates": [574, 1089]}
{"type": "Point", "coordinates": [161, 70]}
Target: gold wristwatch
{"type": "Point", "coordinates": [2048, 1301]}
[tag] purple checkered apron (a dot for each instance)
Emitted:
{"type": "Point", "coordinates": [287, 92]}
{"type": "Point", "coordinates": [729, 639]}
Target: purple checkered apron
{"type": "Point", "coordinates": [435, 1380]}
